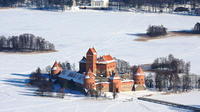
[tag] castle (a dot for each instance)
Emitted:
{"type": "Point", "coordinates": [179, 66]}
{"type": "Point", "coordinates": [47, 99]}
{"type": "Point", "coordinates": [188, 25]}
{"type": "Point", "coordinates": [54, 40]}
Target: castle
{"type": "Point", "coordinates": [104, 65]}
{"type": "Point", "coordinates": [100, 73]}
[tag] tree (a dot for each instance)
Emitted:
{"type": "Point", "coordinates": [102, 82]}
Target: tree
{"type": "Point", "coordinates": [48, 69]}
{"type": "Point", "coordinates": [154, 30]}
{"type": "Point", "coordinates": [199, 83]}
{"type": "Point", "coordinates": [25, 42]}
{"type": "Point", "coordinates": [149, 81]}
{"type": "Point", "coordinates": [167, 73]}
{"type": "Point", "coordinates": [122, 66]}
{"type": "Point", "coordinates": [196, 28]}
{"type": "Point", "coordinates": [114, 91]}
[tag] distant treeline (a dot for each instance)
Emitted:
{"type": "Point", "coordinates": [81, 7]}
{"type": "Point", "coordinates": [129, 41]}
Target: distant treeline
{"type": "Point", "coordinates": [47, 4]}
{"type": "Point", "coordinates": [25, 42]}
{"type": "Point", "coordinates": [151, 5]}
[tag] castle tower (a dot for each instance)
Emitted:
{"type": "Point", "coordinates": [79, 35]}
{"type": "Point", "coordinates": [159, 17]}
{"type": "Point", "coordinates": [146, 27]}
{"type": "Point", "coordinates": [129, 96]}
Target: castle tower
{"type": "Point", "coordinates": [56, 69]}
{"type": "Point", "coordinates": [139, 79]}
{"type": "Point", "coordinates": [91, 61]}
{"type": "Point", "coordinates": [115, 83]}
{"type": "Point", "coordinates": [89, 81]}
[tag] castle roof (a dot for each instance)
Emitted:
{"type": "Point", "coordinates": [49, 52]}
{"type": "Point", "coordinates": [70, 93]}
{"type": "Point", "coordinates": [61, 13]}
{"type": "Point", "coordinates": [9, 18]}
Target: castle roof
{"type": "Point", "coordinates": [139, 71]}
{"type": "Point", "coordinates": [56, 66]}
{"type": "Point", "coordinates": [83, 60]}
{"type": "Point", "coordinates": [106, 59]}
{"type": "Point", "coordinates": [92, 51]}
{"type": "Point", "coordinates": [70, 75]}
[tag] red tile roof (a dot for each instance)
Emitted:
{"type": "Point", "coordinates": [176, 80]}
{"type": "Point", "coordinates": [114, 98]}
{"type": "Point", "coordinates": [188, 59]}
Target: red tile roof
{"type": "Point", "coordinates": [105, 58]}
{"type": "Point", "coordinates": [139, 71]}
{"type": "Point", "coordinates": [93, 50]}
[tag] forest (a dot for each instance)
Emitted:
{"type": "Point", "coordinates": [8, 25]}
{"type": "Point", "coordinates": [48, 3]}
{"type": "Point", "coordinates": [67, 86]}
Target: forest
{"type": "Point", "coordinates": [25, 43]}
{"type": "Point", "coordinates": [150, 5]}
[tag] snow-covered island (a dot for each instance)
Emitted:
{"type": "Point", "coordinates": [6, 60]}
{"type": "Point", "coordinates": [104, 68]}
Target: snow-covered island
{"type": "Point", "coordinates": [25, 43]}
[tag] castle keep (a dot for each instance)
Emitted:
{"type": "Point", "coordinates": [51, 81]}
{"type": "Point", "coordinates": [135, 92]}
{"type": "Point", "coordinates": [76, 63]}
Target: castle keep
{"type": "Point", "coordinates": [100, 72]}
{"type": "Point", "coordinates": [104, 65]}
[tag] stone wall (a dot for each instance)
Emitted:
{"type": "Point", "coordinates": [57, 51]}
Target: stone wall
{"type": "Point", "coordinates": [127, 85]}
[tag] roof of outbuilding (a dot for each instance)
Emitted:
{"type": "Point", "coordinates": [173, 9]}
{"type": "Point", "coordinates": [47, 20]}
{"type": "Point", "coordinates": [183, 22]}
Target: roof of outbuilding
{"type": "Point", "coordinates": [70, 75]}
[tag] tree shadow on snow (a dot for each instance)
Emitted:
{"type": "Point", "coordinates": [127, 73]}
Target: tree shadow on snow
{"type": "Point", "coordinates": [137, 34]}
{"type": "Point", "coordinates": [20, 82]}
{"type": "Point", "coordinates": [23, 75]}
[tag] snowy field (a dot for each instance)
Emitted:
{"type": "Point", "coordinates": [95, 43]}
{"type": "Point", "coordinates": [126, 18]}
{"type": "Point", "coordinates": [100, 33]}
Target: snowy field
{"type": "Point", "coordinates": [73, 32]}
{"type": "Point", "coordinates": [191, 98]}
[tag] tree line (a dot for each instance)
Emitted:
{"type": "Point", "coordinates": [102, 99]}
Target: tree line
{"type": "Point", "coordinates": [172, 74]}
{"type": "Point", "coordinates": [159, 5]}
{"type": "Point", "coordinates": [25, 42]}
{"type": "Point", "coordinates": [150, 5]}
{"type": "Point", "coordinates": [41, 4]}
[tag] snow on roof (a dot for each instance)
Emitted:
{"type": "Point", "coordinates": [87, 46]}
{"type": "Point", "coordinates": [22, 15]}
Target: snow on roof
{"type": "Point", "coordinates": [87, 77]}
{"type": "Point", "coordinates": [54, 68]}
{"type": "Point", "coordinates": [102, 82]}
{"type": "Point", "coordinates": [127, 81]}
{"type": "Point", "coordinates": [69, 75]}
{"type": "Point", "coordinates": [114, 76]}
{"type": "Point", "coordinates": [83, 60]}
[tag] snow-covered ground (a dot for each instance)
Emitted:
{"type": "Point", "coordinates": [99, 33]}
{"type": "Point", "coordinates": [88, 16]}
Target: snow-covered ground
{"type": "Point", "coordinates": [73, 32]}
{"type": "Point", "coordinates": [190, 98]}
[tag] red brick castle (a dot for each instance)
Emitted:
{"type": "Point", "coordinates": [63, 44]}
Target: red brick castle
{"type": "Point", "coordinates": [91, 68]}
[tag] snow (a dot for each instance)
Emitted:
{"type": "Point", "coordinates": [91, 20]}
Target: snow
{"type": "Point", "coordinates": [73, 32]}
{"type": "Point", "coordinates": [190, 98]}
{"type": "Point", "coordinates": [54, 68]}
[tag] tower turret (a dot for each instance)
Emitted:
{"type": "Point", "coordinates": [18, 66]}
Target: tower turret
{"type": "Point", "coordinates": [56, 69]}
{"type": "Point", "coordinates": [115, 82]}
{"type": "Point", "coordinates": [139, 79]}
{"type": "Point", "coordinates": [89, 81]}
{"type": "Point", "coordinates": [91, 61]}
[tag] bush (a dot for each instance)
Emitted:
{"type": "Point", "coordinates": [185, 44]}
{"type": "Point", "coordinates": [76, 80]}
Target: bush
{"type": "Point", "coordinates": [25, 42]}
{"type": "Point", "coordinates": [196, 28]}
{"type": "Point", "coordinates": [153, 30]}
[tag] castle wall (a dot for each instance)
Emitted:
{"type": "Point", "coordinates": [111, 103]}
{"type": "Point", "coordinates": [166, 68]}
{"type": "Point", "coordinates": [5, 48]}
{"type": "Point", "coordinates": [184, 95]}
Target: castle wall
{"type": "Point", "coordinates": [82, 67]}
{"type": "Point", "coordinates": [101, 69]}
{"type": "Point", "coordinates": [110, 67]}
{"type": "Point", "coordinates": [139, 79]}
{"type": "Point", "coordinates": [127, 85]}
{"type": "Point", "coordinates": [105, 86]}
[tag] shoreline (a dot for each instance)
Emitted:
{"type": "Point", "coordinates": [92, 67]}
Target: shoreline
{"type": "Point", "coordinates": [144, 38]}
{"type": "Point", "coordinates": [27, 52]}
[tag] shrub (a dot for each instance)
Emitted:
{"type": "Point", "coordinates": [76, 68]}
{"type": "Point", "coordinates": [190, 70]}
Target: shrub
{"type": "Point", "coordinates": [156, 30]}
